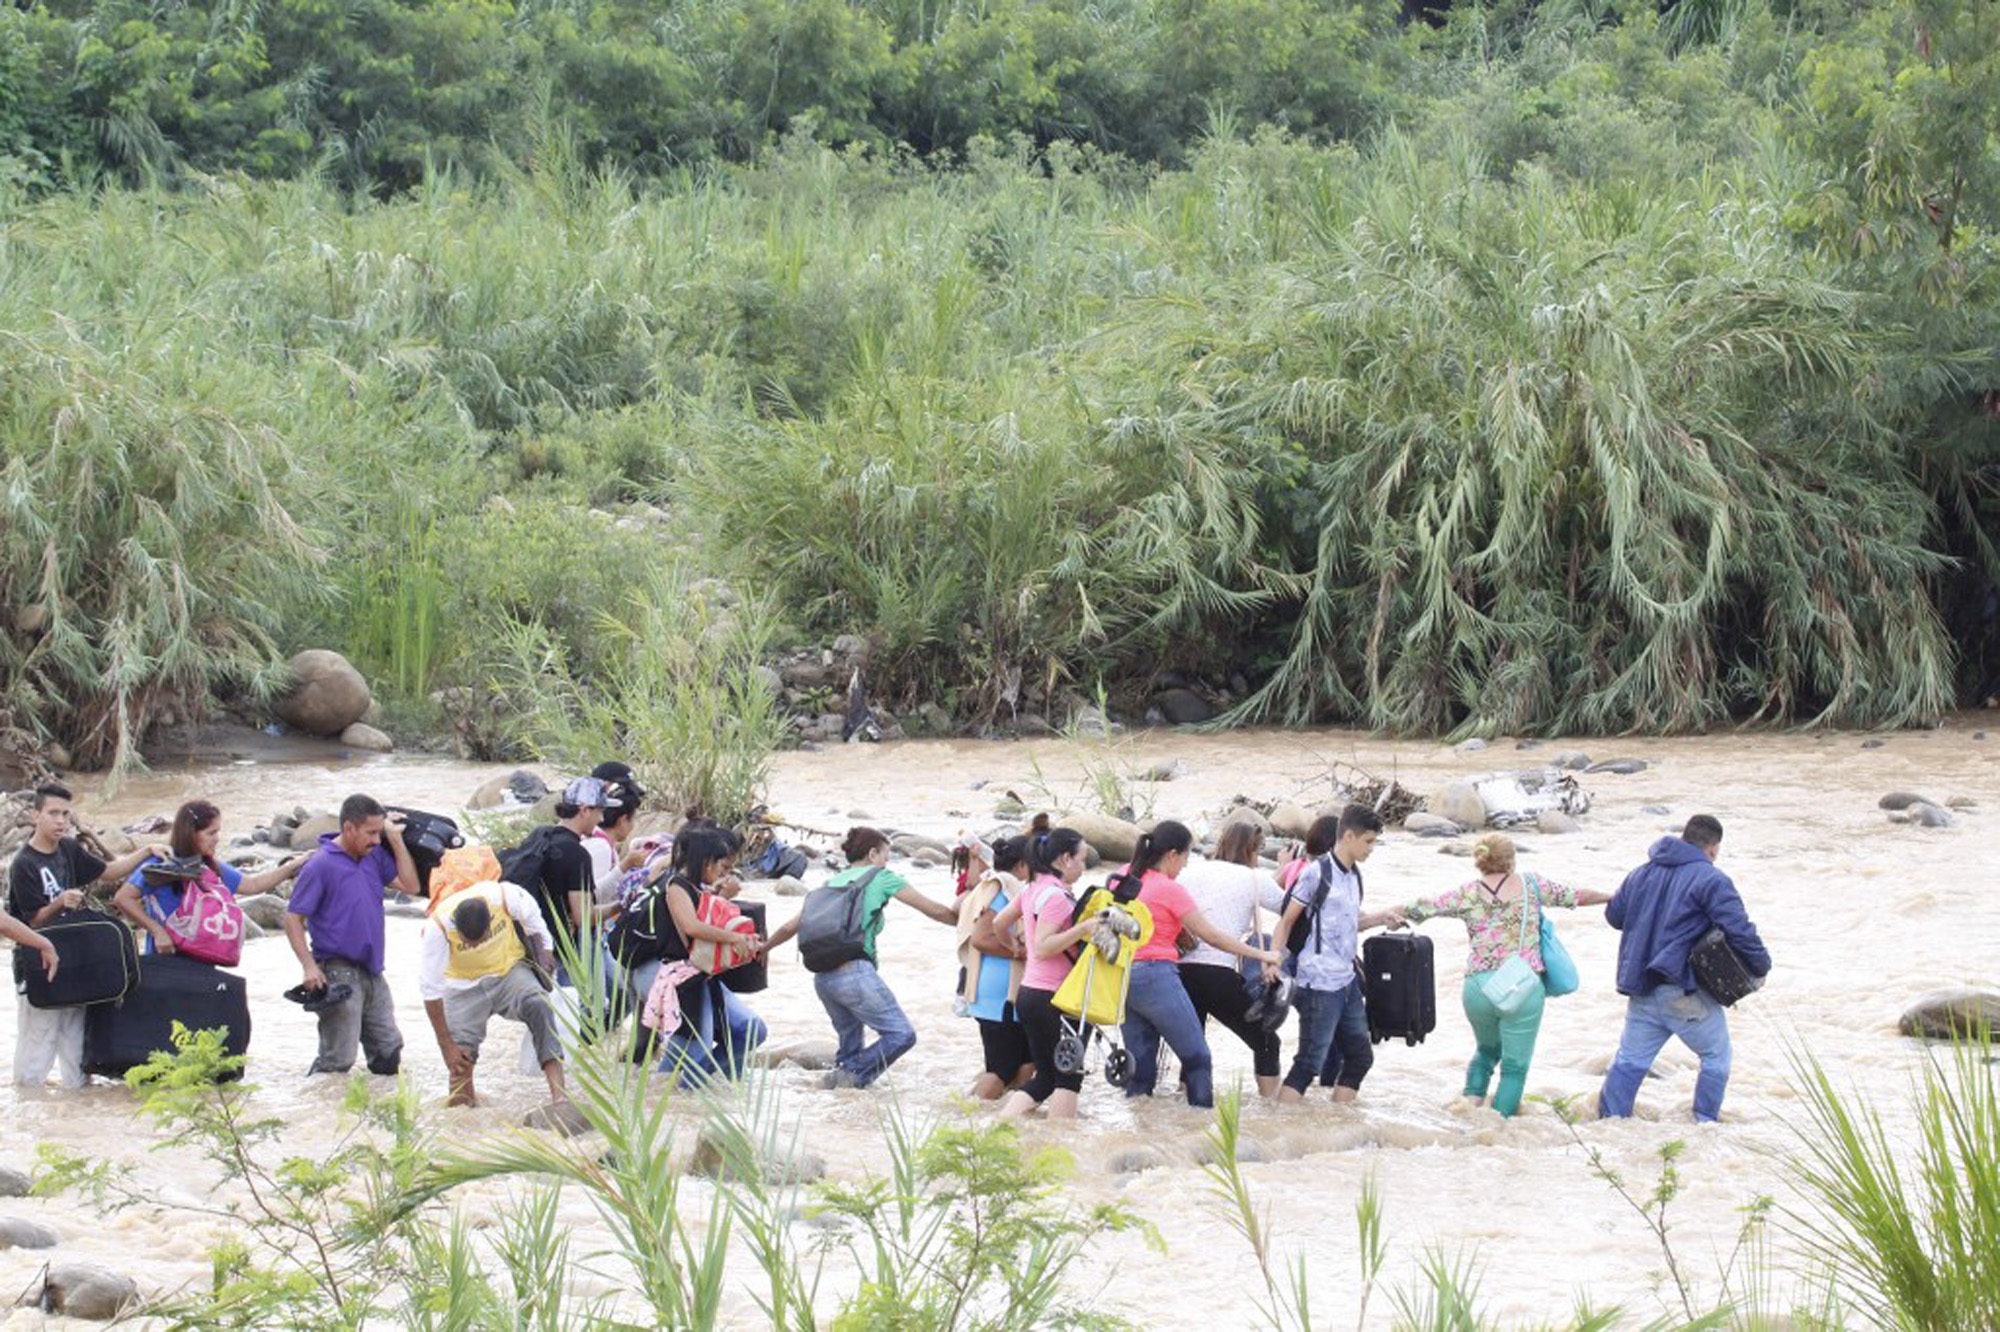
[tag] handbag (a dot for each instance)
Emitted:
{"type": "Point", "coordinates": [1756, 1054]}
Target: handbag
{"type": "Point", "coordinates": [1559, 973]}
{"type": "Point", "coordinates": [208, 925]}
{"type": "Point", "coordinates": [712, 958]}
{"type": "Point", "coordinates": [1508, 986]}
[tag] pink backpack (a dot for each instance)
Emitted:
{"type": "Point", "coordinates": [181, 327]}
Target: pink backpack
{"type": "Point", "coordinates": [208, 926]}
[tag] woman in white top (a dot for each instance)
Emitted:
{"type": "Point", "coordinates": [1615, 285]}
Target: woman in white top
{"type": "Point", "coordinates": [1230, 887]}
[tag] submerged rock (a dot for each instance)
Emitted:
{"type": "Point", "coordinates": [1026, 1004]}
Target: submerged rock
{"type": "Point", "coordinates": [1930, 816]}
{"type": "Point", "coordinates": [1573, 760]}
{"type": "Point", "coordinates": [1901, 800]}
{"type": "Point", "coordinates": [711, 1157]}
{"type": "Point", "coordinates": [1424, 823]}
{"type": "Point", "coordinates": [1555, 823]}
{"type": "Point", "coordinates": [559, 1117]}
{"type": "Point", "coordinates": [14, 1183]}
{"type": "Point", "coordinates": [78, 1291]}
{"type": "Point", "coordinates": [17, 1232]}
{"type": "Point", "coordinates": [1947, 1014]}
{"type": "Point", "coordinates": [1623, 767]}
{"type": "Point", "coordinates": [1461, 803]}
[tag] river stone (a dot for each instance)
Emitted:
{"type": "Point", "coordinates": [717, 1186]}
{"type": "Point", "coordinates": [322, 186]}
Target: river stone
{"type": "Point", "coordinates": [788, 887]}
{"type": "Point", "coordinates": [916, 844]}
{"type": "Point", "coordinates": [1899, 816]}
{"type": "Point", "coordinates": [507, 788]}
{"type": "Point", "coordinates": [1461, 803]}
{"type": "Point", "coordinates": [329, 694]}
{"type": "Point", "coordinates": [266, 909]}
{"type": "Point", "coordinates": [306, 836]}
{"type": "Point", "coordinates": [1961, 803]}
{"type": "Point", "coordinates": [1288, 820]}
{"type": "Point", "coordinates": [1246, 814]}
{"type": "Point", "coordinates": [1574, 760]}
{"type": "Point", "coordinates": [1472, 746]}
{"type": "Point", "coordinates": [561, 1118]}
{"type": "Point", "coordinates": [1166, 770]}
{"type": "Point", "coordinates": [14, 1183]}
{"type": "Point", "coordinates": [1455, 849]}
{"type": "Point", "coordinates": [1422, 821]}
{"type": "Point", "coordinates": [772, 683]}
{"type": "Point", "coordinates": [1114, 839]}
{"type": "Point", "coordinates": [1945, 1014]}
{"type": "Point", "coordinates": [90, 1293]}
{"type": "Point", "coordinates": [1930, 816]}
{"type": "Point", "coordinates": [710, 1158]}
{"type": "Point", "coordinates": [363, 736]}
{"type": "Point", "coordinates": [817, 1056]}
{"type": "Point", "coordinates": [1902, 800]}
{"type": "Point", "coordinates": [1871, 744]}
{"type": "Point", "coordinates": [1137, 1160]}
{"type": "Point", "coordinates": [1623, 767]}
{"type": "Point", "coordinates": [17, 1232]}
{"type": "Point", "coordinates": [1555, 823]}
{"type": "Point", "coordinates": [1183, 707]}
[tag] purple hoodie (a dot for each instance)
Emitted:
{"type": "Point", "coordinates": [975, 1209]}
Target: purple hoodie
{"type": "Point", "coordinates": [1664, 908]}
{"type": "Point", "coordinates": [341, 900]}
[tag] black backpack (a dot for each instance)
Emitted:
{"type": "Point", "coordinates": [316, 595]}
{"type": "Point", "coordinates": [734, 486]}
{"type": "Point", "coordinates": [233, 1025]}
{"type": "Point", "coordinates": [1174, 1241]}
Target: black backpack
{"type": "Point", "coordinates": [1295, 942]}
{"type": "Point", "coordinates": [427, 837]}
{"type": "Point", "coordinates": [526, 864]}
{"type": "Point", "coordinates": [833, 926]}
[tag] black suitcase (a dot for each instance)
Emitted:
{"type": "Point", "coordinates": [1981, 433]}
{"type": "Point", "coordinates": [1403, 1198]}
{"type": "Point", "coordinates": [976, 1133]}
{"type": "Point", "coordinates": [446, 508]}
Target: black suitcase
{"type": "Point", "coordinates": [427, 837]}
{"type": "Point", "coordinates": [97, 961]}
{"type": "Point", "coordinates": [1718, 970]}
{"type": "Point", "coordinates": [1399, 980]}
{"type": "Point", "coordinates": [120, 1036]}
{"type": "Point", "coordinates": [752, 976]}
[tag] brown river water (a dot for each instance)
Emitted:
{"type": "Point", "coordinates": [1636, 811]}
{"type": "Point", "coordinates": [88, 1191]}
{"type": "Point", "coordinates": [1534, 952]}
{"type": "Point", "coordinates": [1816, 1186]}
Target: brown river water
{"type": "Point", "coordinates": [1861, 916]}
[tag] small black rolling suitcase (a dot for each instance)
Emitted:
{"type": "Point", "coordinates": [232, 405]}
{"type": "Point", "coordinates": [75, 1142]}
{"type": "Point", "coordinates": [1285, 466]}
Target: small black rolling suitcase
{"type": "Point", "coordinates": [752, 975]}
{"type": "Point", "coordinates": [97, 961]}
{"type": "Point", "coordinates": [118, 1037]}
{"type": "Point", "coordinates": [1400, 982]}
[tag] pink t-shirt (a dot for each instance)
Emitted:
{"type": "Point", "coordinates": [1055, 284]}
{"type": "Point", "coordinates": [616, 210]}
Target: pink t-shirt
{"type": "Point", "coordinates": [1045, 909]}
{"type": "Point", "coordinates": [1170, 904]}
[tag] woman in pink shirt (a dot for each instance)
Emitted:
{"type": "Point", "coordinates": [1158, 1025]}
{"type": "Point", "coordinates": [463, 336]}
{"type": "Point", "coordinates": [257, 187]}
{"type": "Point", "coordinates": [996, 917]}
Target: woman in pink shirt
{"type": "Point", "coordinates": [1157, 1006]}
{"type": "Point", "coordinates": [1047, 915]}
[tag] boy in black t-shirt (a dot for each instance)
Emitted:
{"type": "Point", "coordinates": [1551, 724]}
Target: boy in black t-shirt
{"type": "Point", "coordinates": [47, 878]}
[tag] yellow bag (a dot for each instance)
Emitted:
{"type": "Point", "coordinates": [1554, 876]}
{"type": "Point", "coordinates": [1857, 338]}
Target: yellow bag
{"type": "Point", "coordinates": [1103, 981]}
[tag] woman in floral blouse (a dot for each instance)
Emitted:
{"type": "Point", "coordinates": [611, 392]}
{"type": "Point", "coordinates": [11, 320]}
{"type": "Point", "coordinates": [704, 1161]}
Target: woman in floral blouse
{"type": "Point", "coordinates": [1492, 908]}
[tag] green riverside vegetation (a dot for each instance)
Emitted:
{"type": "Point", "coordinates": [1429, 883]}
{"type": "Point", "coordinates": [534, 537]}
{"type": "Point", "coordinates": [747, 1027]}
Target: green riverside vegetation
{"type": "Point", "coordinates": [1570, 366]}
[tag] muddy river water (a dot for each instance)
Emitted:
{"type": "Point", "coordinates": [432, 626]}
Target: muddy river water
{"type": "Point", "coordinates": [1861, 915]}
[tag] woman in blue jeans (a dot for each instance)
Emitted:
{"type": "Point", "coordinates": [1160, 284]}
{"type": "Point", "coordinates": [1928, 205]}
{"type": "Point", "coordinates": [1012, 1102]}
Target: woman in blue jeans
{"type": "Point", "coordinates": [658, 928]}
{"type": "Point", "coordinates": [854, 995]}
{"type": "Point", "coordinates": [1157, 1006]}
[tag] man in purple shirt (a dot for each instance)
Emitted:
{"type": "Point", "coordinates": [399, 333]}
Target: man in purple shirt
{"type": "Point", "coordinates": [338, 900]}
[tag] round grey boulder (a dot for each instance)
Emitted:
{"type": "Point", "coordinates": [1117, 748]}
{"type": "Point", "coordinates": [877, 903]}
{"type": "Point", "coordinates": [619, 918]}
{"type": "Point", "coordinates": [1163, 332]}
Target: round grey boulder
{"type": "Point", "coordinates": [363, 736]}
{"type": "Point", "coordinates": [17, 1232]}
{"type": "Point", "coordinates": [1901, 800]}
{"type": "Point", "coordinates": [89, 1293]}
{"type": "Point", "coordinates": [1461, 803]}
{"type": "Point", "coordinates": [1948, 1014]}
{"type": "Point", "coordinates": [328, 695]}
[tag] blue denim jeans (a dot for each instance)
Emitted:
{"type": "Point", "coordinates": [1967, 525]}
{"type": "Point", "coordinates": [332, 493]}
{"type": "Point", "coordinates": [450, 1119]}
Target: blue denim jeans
{"type": "Point", "coordinates": [1650, 1019]}
{"type": "Point", "coordinates": [721, 1042]}
{"type": "Point", "coordinates": [858, 1001]}
{"type": "Point", "coordinates": [1333, 1035]}
{"type": "Point", "coordinates": [1157, 1006]}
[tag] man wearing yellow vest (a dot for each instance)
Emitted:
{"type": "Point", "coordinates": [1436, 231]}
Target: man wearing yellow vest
{"type": "Point", "coordinates": [475, 966]}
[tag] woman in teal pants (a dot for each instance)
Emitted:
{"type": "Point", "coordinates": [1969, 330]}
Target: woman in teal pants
{"type": "Point", "coordinates": [1502, 911]}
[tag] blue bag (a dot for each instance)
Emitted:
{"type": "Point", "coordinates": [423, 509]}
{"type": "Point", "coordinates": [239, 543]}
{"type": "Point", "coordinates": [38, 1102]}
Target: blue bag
{"type": "Point", "coordinates": [1559, 974]}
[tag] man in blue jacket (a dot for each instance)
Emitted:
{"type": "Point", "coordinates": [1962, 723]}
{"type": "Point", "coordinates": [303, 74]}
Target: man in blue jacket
{"type": "Point", "coordinates": [1662, 910]}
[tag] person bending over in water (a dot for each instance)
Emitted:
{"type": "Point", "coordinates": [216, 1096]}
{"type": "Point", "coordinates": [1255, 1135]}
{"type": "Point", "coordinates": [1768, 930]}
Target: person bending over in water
{"type": "Point", "coordinates": [994, 967]}
{"type": "Point", "coordinates": [1157, 1006]}
{"type": "Point", "coordinates": [853, 993]}
{"type": "Point", "coordinates": [1046, 914]}
{"type": "Point", "coordinates": [1502, 911]}
{"type": "Point", "coordinates": [473, 966]}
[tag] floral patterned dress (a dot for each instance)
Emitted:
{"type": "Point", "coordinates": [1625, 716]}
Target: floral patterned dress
{"type": "Point", "coordinates": [1495, 924]}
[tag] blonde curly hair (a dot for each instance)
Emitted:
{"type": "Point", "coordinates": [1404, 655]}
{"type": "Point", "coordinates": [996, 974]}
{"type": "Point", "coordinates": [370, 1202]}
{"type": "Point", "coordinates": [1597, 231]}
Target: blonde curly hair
{"type": "Point", "coordinates": [1493, 853]}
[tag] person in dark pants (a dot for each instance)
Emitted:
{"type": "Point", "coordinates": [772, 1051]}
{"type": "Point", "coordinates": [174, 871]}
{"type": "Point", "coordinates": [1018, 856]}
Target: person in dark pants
{"type": "Point", "coordinates": [1230, 887]}
{"type": "Point", "coordinates": [1328, 992]}
{"type": "Point", "coordinates": [334, 922]}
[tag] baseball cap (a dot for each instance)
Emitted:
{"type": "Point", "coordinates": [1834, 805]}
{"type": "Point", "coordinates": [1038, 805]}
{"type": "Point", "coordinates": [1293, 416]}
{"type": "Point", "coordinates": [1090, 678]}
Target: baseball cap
{"type": "Point", "coordinates": [586, 793]}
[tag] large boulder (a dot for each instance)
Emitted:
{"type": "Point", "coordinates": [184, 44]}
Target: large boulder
{"type": "Point", "coordinates": [1945, 1014]}
{"type": "Point", "coordinates": [1289, 820]}
{"type": "Point", "coordinates": [519, 787]}
{"type": "Point", "coordinates": [17, 1232]}
{"type": "Point", "coordinates": [77, 1291]}
{"type": "Point", "coordinates": [328, 695]}
{"type": "Point", "coordinates": [14, 1183]}
{"type": "Point", "coordinates": [1461, 803]}
{"type": "Point", "coordinates": [265, 909]}
{"type": "Point", "coordinates": [1246, 814]}
{"type": "Point", "coordinates": [1114, 839]}
{"type": "Point", "coordinates": [306, 836]}
{"type": "Point", "coordinates": [1183, 707]}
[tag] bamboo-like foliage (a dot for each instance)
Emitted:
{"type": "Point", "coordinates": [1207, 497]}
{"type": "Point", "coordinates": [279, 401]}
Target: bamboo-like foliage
{"type": "Point", "coordinates": [1574, 464]}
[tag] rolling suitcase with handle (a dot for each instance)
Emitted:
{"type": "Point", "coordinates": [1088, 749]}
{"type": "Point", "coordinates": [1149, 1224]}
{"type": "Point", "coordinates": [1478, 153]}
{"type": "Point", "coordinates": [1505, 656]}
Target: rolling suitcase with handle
{"type": "Point", "coordinates": [121, 1036]}
{"type": "Point", "coordinates": [1400, 982]}
{"type": "Point", "coordinates": [97, 962]}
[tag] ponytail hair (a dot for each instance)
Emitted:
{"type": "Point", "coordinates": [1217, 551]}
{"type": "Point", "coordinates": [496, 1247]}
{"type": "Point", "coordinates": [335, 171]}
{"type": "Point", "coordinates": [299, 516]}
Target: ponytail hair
{"type": "Point", "coordinates": [1046, 846]}
{"type": "Point", "coordinates": [1010, 853]}
{"type": "Point", "coordinates": [1162, 840]}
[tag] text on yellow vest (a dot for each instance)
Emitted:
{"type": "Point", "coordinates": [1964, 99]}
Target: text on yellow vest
{"type": "Point", "coordinates": [493, 955]}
